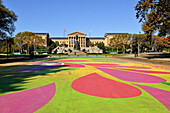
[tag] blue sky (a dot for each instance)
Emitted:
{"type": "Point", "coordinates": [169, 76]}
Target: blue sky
{"type": "Point", "coordinates": [53, 16]}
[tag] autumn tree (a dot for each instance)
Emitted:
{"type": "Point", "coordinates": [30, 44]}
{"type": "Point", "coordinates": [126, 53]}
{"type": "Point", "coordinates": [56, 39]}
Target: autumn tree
{"type": "Point", "coordinates": [125, 40]}
{"type": "Point", "coordinates": [155, 15]}
{"type": "Point", "coordinates": [138, 41]}
{"type": "Point", "coordinates": [166, 42]}
{"type": "Point", "coordinates": [115, 41]}
{"type": "Point", "coordinates": [28, 40]}
{"type": "Point", "coordinates": [157, 43]}
{"type": "Point", "coordinates": [18, 42]}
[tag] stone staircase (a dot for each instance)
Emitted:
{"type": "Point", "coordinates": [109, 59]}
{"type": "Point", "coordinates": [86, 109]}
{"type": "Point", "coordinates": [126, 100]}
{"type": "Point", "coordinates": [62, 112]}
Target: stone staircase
{"type": "Point", "coordinates": [77, 52]}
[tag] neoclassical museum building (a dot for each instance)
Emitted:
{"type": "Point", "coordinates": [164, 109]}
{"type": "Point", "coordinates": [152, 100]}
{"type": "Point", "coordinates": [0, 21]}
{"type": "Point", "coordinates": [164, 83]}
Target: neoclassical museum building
{"type": "Point", "coordinates": [82, 39]}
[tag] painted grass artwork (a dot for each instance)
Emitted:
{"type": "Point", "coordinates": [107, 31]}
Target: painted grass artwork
{"type": "Point", "coordinates": [84, 85]}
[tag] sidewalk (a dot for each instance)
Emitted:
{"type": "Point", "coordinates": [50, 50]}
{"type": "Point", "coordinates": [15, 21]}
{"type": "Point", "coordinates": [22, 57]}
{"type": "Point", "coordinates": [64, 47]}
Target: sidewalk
{"type": "Point", "coordinates": [163, 61]}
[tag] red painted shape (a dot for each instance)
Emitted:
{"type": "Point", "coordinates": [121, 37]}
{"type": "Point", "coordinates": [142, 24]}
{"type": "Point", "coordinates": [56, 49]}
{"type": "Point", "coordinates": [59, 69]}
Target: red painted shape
{"type": "Point", "coordinates": [147, 71]}
{"type": "Point", "coordinates": [27, 101]}
{"type": "Point", "coordinates": [96, 85]}
{"type": "Point", "coordinates": [162, 96]}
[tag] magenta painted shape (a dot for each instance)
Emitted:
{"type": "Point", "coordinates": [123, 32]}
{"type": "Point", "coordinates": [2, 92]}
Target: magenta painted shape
{"type": "Point", "coordinates": [147, 71]}
{"type": "Point", "coordinates": [101, 64]}
{"type": "Point", "coordinates": [161, 95]}
{"type": "Point", "coordinates": [27, 101]}
{"type": "Point", "coordinates": [96, 85]}
{"type": "Point", "coordinates": [135, 67]}
{"type": "Point", "coordinates": [132, 76]}
{"type": "Point", "coordinates": [56, 61]}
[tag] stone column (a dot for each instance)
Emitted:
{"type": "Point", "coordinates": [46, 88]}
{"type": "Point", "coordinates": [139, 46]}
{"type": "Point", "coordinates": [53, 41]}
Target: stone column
{"type": "Point", "coordinates": [73, 42]}
{"type": "Point", "coordinates": [68, 41]}
{"type": "Point", "coordinates": [80, 41]}
{"type": "Point", "coordinates": [85, 41]}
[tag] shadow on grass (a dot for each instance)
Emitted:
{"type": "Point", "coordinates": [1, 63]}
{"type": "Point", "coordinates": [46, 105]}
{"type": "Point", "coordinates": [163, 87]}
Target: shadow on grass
{"type": "Point", "coordinates": [161, 55]}
{"type": "Point", "coordinates": [11, 77]}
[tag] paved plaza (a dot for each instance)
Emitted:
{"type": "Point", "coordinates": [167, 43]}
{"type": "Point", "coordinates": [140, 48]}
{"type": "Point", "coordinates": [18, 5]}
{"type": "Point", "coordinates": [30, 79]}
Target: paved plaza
{"type": "Point", "coordinates": [84, 85]}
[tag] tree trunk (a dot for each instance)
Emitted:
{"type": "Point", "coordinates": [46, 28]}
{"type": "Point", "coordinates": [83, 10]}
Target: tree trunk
{"type": "Point", "coordinates": [131, 49]}
{"type": "Point", "coordinates": [7, 48]}
{"type": "Point", "coordinates": [117, 49]}
{"type": "Point", "coordinates": [123, 49]}
{"type": "Point", "coordinates": [27, 49]}
{"type": "Point", "coordinates": [138, 47]}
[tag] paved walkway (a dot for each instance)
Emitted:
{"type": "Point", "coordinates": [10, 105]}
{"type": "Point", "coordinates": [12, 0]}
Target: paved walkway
{"type": "Point", "coordinates": [163, 61]}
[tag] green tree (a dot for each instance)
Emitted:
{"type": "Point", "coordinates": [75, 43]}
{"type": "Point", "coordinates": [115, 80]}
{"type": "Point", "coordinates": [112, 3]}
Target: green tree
{"type": "Point", "coordinates": [7, 19]}
{"type": "Point", "coordinates": [88, 43]}
{"type": "Point", "coordinates": [155, 15]}
{"type": "Point", "coordinates": [57, 43]}
{"type": "Point", "coordinates": [52, 46]}
{"type": "Point", "coordinates": [4, 45]}
{"type": "Point", "coordinates": [101, 46]}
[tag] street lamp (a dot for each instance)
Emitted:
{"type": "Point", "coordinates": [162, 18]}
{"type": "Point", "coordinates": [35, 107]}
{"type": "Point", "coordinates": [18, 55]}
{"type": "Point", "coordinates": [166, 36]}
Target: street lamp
{"type": "Point", "coordinates": [138, 43]}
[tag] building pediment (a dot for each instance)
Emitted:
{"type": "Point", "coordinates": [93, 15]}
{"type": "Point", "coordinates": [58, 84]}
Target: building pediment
{"type": "Point", "coordinates": [76, 33]}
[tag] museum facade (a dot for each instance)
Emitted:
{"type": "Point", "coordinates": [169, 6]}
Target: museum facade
{"type": "Point", "coordinates": [82, 39]}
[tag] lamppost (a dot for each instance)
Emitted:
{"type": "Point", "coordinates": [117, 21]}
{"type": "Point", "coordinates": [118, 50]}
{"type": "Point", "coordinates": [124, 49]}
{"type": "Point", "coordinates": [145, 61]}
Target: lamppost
{"type": "Point", "coordinates": [139, 43]}
{"type": "Point", "coordinates": [131, 44]}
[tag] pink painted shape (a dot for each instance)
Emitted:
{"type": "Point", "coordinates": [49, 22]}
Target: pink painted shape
{"type": "Point", "coordinates": [27, 101]}
{"type": "Point", "coordinates": [51, 61]}
{"type": "Point", "coordinates": [96, 85]}
{"type": "Point", "coordinates": [72, 60]}
{"type": "Point", "coordinates": [101, 64]}
{"type": "Point", "coordinates": [132, 76]}
{"type": "Point", "coordinates": [161, 95]}
{"type": "Point", "coordinates": [147, 71]}
{"type": "Point", "coordinates": [126, 67]}
{"type": "Point", "coordinates": [135, 67]}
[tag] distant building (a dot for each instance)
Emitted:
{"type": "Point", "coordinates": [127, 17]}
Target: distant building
{"type": "Point", "coordinates": [108, 36]}
{"type": "Point", "coordinates": [46, 37]}
{"type": "Point", "coordinates": [82, 38]}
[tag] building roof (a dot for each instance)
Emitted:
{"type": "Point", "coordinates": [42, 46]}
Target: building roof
{"type": "Point", "coordinates": [77, 33]}
{"type": "Point", "coordinates": [59, 37]}
{"type": "Point", "coordinates": [95, 37]}
{"type": "Point", "coordinates": [115, 33]}
{"type": "Point", "coordinates": [67, 37]}
{"type": "Point", "coordinates": [41, 33]}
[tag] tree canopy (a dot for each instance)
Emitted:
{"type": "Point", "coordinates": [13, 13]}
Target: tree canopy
{"type": "Point", "coordinates": [155, 15]}
{"type": "Point", "coordinates": [7, 19]}
{"type": "Point", "coordinates": [120, 40]}
{"type": "Point", "coordinates": [166, 42]}
{"type": "Point", "coordinates": [28, 40]}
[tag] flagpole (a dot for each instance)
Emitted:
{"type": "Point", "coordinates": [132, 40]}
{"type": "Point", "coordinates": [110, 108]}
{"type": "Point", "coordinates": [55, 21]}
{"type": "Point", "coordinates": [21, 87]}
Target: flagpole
{"type": "Point", "coordinates": [64, 32]}
{"type": "Point", "coordinates": [89, 33]}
